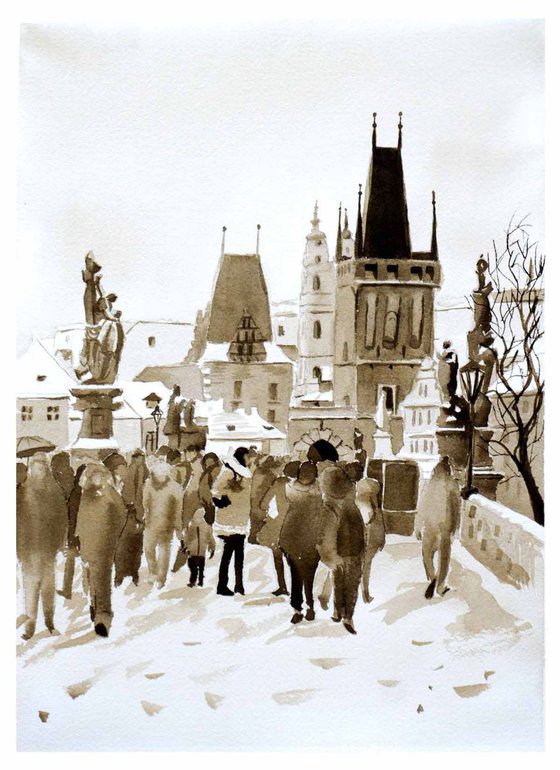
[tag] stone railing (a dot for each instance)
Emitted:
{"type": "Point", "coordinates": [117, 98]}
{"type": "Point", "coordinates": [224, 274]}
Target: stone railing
{"type": "Point", "coordinates": [508, 544]}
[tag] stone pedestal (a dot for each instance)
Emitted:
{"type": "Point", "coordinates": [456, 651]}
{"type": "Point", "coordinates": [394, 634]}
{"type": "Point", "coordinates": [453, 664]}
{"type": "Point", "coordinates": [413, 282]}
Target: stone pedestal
{"type": "Point", "coordinates": [453, 442]}
{"type": "Point", "coordinates": [96, 432]}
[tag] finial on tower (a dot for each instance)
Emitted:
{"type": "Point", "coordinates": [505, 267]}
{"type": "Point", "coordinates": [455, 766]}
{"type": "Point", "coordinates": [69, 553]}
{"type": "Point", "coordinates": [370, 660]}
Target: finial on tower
{"type": "Point", "coordinates": [258, 239]}
{"type": "Point", "coordinates": [358, 244]}
{"type": "Point", "coordinates": [400, 130]}
{"type": "Point", "coordinates": [338, 252]}
{"type": "Point", "coordinates": [224, 228]}
{"type": "Point", "coordinates": [315, 221]}
{"type": "Point", "coordinates": [434, 227]}
{"type": "Point", "coordinates": [374, 136]}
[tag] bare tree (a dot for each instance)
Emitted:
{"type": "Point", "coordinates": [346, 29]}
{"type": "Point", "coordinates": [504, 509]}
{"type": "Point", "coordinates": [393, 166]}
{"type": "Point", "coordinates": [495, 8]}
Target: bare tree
{"type": "Point", "coordinates": [517, 273]}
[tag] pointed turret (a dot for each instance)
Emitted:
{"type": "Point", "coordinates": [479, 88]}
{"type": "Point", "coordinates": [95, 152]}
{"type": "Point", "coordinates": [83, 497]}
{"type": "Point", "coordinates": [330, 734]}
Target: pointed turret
{"type": "Point", "coordinates": [434, 248]}
{"type": "Point", "coordinates": [257, 252]}
{"type": "Point", "coordinates": [338, 252]}
{"type": "Point", "coordinates": [224, 228]}
{"type": "Point", "coordinates": [374, 134]}
{"type": "Point", "coordinates": [358, 249]}
{"type": "Point", "coordinates": [399, 145]}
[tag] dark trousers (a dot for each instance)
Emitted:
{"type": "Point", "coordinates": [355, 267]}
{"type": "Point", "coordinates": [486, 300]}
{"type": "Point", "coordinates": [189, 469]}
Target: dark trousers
{"type": "Point", "coordinates": [346, 579]}
{"type": "Point", "coordinates": [279, 557]}
{"type": "Point", "coordinates": [233, 545]}
{"type": "Point", "coordinates": [302, 572]}
{"type": "Point", "coordinates": [196, 566]}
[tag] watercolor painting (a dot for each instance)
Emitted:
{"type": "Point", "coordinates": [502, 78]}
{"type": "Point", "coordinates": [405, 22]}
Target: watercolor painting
{"type": "Point", "coordinates": [280, 387]}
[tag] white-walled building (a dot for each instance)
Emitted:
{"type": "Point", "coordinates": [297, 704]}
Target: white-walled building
{"type": "Point", "coordinates": [420, 411]}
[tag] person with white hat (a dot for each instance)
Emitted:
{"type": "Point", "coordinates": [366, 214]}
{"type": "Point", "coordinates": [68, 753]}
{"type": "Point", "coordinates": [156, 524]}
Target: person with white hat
{"type": "Point", "coordinates": [231, 495]}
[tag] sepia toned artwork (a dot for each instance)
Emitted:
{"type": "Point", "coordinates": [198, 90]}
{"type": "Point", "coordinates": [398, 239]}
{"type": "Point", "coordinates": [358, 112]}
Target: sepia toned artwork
{"type": "Point", "coordinates": [280, 387]}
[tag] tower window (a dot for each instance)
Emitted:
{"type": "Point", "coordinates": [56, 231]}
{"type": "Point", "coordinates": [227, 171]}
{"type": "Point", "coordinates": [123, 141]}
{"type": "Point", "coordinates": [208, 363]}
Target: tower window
{"type": "Point", "coordinates": [389, 392]}
{"type": "Point", "coordinates": [273, 391]}
{"type": "Point", "coordinates": [281, 331]}
{"type": "Point", "coordinates": [393, 271]}
{"type": "Point", "coordinates": [152, 342]}
{"type": "Point", "coordinates": [317, 330]}
{"type": "Point", "coordinates": [271, 415]}
{"type": "Point", "coordinates": [317, 258]}
{"type": "Point", "coordinates": [345, 352]}
{"type": "Point", "coordinates": [237, 389]}
{"type": "Point", "coordinates": [416, 272]}
{"type": "Point", "coordinates": [430, 272]}
{"type": "Point", "coordinates": [316, 283]}
{"type": "Point", "coordinates": [346, 400]}
{"type": "Point", "coordinates": [317, 373]}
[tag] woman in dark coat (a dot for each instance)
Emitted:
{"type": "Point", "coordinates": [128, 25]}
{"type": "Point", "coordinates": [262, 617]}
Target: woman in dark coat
{"type": "Point", "coordinates": [128, 555]}
{"type": "Point", "coordinates": [299, 537]}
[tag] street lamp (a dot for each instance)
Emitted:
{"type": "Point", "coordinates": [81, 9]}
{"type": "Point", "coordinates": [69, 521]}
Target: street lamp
{"type": "Point", "coordinates": [152, 402]}
{"type": "Point", "coordinates": [471, 379]}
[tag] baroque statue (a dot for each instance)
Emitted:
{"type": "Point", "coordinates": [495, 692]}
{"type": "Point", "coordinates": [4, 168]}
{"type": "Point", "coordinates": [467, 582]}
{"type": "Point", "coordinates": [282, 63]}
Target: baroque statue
{"type": "Point", "coordinates": [104, 335]}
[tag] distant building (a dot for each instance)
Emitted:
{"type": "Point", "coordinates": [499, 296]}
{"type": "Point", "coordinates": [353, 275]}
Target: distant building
{"type": "Point", "coordinates": [43, 396]}
{"type": "Point", "coordinates": [239, 362]}
{"type": "Point", "coordinates": [154, 343]}
{"type": "Point", "coordinates": [228, 429]}
{"type": "Point", "coordinates": [285, 320]}
{"type": "Point", "coordinates": [420, 410]}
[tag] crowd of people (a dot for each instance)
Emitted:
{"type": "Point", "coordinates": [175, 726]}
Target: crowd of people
{"type": "Point", "coordinates": [321, 520]}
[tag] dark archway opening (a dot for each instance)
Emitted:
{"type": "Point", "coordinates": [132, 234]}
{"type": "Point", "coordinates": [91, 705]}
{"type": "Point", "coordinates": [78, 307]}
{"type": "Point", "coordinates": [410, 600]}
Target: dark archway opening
{"type": "Point", "coordinates": [322, 450]}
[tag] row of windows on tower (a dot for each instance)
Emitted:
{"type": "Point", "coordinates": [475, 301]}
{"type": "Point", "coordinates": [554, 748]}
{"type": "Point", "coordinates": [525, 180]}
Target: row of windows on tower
{"type": "Point", "coordinates": [418, 417]}
{"type": "Point", "coordinates": [426, 446]}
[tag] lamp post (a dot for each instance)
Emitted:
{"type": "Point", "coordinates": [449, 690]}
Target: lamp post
{"type": "Point", "coordinates": [157, 414]}
{"type": "Point", "coordinates": [471, 380]}
{"type": "Point", "coordinates": [152, 402]}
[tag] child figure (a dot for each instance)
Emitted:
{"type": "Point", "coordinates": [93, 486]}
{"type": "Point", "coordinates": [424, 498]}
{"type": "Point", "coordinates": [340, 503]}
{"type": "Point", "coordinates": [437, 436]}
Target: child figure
{"type": "Point", "coordinates": [199, 538]}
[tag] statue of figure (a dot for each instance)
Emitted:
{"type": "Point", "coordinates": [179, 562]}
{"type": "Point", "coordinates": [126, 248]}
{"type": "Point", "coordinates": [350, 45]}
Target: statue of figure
{"type": "Point", "coordinates": [448, 368]}
{"type": "Point", "coordinates": [173, 418]}
{"type": "Point", "coordinates": [104, 335]}
{"type": "Point", "coordinates": [91, 277]}
{"type": "Point", "coordinates": [482, 311]}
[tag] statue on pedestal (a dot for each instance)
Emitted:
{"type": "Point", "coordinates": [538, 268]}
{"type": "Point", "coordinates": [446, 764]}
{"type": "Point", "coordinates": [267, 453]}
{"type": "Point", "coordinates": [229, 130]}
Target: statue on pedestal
{"type": "Point", "coordinates": [104, 335]}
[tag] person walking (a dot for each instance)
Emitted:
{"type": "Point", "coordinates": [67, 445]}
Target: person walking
{"type": "Point", "coordinates": [62, 472]}
{"type": "Point", "coordinates": [368, 502]}
{"type": "Point", "coordinates": [72, 542]}
{"type": "Point", "coordinates": [101, 520]}
{"type": "Point", "coordinates": [269, 534]}
{"type": "Point", "coordinates": [231, 496]}
{"type": "Point", "coordinates": [263, 478]}
{"type": "Point", "coordinates": [212, 466]}
{"type": "Point", "coordinates": [162, 517]}
{"type": "Point", "coordinates": [342, 543]}
{"type": "Point", "coordinates": [199, 540]}
{"type": "Point", "coordinates": [437, 520]}
{"type": "Point", "coordinates": [299, 537]}
{"type": "Point", "coordinates": [42, 522]}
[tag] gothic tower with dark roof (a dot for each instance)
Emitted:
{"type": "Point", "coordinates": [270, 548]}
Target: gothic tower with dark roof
{"type": "Point", "coordinates": [384, 313]}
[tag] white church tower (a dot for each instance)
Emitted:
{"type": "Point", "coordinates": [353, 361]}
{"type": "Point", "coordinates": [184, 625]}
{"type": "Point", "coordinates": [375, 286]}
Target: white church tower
{"type": "Point", "coordinates": [316, 316]}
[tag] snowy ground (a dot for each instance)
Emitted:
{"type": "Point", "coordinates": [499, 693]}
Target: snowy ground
{"type": "Point", "coordinates": [185, 669]}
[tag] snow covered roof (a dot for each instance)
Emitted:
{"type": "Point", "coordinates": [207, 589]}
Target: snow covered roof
{"type": "Point", "coordinates": [238, 425]}
{"type": "Point", "coordinates": [318, 396]}
{"type": "Point", "coordinates": [39, 375]}
{"type": "Point", "coordinates": [218, 351]}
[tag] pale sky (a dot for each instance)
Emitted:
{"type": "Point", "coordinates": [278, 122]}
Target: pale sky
{"type": "Point", "coordinates": [140, 144]}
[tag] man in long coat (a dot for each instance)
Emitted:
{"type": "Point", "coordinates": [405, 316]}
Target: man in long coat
{"type": "Point", "coordinates": [42, 522]}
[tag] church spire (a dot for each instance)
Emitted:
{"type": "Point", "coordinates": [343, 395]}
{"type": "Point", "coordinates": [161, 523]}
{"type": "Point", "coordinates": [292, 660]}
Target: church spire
{"type": "Point", "coordinates": [400, 131]}
{"type": "Point", "coordinates": [346, 232]}
{"type": "Point", "coordinates": [374, 135]}
{"type": "Point", "coordinates": [315, 221]}
{"type": "Point", "coordinates": [434, 228]}
{"type": "Point", "coordinates": [338, 254]}
{"type": "Point", "coordinates": [359, 234]}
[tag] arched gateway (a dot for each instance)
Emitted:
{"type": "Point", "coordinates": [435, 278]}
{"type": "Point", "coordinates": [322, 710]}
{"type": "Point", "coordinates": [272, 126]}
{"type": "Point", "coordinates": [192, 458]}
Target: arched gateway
{"type": "Point", "coordinates": [326, 445]}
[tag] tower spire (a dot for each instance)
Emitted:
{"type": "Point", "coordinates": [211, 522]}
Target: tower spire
{"type": "Point", "coordinates": [400, 131]}
{"type": "Point", "coordinates": [338, 254]}
{"type": "Point", "coordinates": [224, 228]}
{"type": "Point", "coordinates": [434, 228]}
{"type": "Point", "coordinates": [359, 235]}
{"type": "Point", "coordinates": [258, 239]}
{"type": "Point", "coordinates": [374, 135]}
{"type": "Point", "coordinates": [315, 221]}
